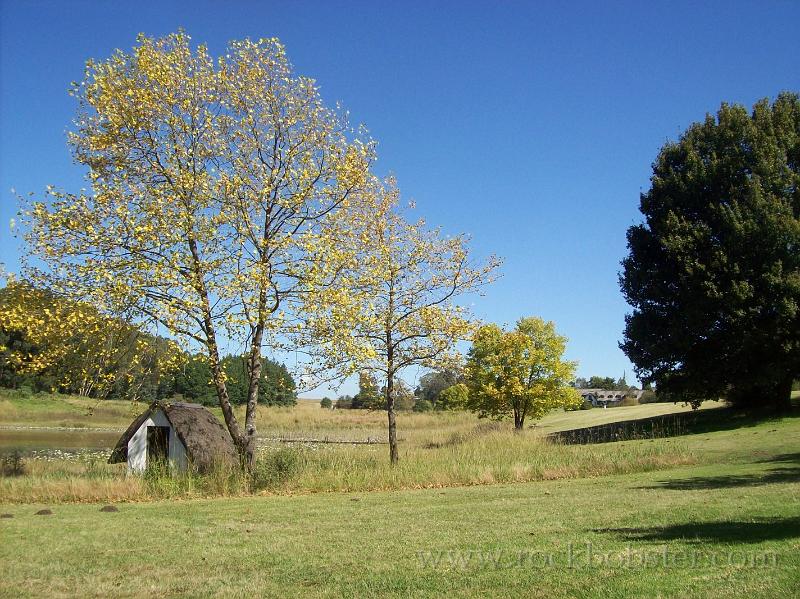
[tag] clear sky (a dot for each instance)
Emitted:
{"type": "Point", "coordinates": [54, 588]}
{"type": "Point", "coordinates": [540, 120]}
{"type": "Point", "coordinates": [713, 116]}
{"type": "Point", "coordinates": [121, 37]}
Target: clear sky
{"type": "Point", "coordinates": [530, 125]}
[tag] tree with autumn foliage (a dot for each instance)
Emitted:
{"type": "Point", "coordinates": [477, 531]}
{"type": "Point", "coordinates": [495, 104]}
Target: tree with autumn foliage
{"type": "Point", "coordinates": [212, 187]}
{"type": "Point", "coordinates": [519, 373]}
{"type": "Point", "coordinates": [400, 298]}
{"type": "Point", "coordinates": [79, 349]}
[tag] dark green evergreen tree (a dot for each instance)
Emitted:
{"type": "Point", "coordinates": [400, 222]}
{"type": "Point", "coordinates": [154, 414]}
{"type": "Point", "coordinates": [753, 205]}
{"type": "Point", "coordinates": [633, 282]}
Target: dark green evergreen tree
{"type": "Point", "coordinates": [713, 273]}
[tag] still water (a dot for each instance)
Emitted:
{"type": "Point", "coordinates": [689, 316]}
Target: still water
{"type": "Point", "coordinates": [35, 441]}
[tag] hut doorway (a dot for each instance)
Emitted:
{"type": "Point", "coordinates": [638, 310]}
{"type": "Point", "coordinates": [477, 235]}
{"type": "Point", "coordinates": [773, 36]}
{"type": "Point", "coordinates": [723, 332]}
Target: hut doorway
{"type": "Point", "coordinates": [157, 444]}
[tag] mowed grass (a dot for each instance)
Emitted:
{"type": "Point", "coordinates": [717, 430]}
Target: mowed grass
{"type": "Point", "coordinates": [726, 526]}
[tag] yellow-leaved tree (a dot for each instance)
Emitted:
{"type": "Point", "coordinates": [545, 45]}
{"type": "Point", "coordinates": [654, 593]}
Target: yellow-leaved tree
{"type": "Point", "coordinates": [520, 372]}
{"type": "Point", "coordinates": [85, 351]}
{"type": "Point", "coordinates": [213, 183]}
{"type": "Point", "coordinates": [399, 305]}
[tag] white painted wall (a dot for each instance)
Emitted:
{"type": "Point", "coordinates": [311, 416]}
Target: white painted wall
{"type": "Point", "coordinates": [137, 445]}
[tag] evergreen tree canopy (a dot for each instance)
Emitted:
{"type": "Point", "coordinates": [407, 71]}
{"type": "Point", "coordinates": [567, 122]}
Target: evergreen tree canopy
{"type": "Point", "coordinates": [277, 387]}
{"type": "Point", "coordinates": [713, 274]}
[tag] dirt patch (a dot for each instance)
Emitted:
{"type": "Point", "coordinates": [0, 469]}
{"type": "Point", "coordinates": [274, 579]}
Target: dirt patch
{"type": "Point", "coordinates": [6, 515]}
{"type": "Point", "coordinates": [109, 508]}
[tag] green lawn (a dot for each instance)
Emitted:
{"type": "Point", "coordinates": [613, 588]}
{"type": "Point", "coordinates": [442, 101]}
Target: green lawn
{"type": "Point", "coordinates": [727, 526]}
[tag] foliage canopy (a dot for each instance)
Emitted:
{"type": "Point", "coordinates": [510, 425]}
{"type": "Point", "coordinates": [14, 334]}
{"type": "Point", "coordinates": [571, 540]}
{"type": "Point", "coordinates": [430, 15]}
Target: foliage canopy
{"type": "Point", "coordinates": [520, 372]}
{"type": "Point", "coordinates": [212, 183]}
{"type": "Point", "coordinates": [713, 274]}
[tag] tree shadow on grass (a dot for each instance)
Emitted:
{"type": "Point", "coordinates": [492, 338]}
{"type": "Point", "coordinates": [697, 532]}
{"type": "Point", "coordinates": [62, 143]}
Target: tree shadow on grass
{"type": "Point", "coordinates": [666, 425]}
{"type": "Point", "coordinates": [791, 458]}
{"type": "Point", "coordinates": [768, 529]}
{"type": "Point", "coordinates": [786, 474]}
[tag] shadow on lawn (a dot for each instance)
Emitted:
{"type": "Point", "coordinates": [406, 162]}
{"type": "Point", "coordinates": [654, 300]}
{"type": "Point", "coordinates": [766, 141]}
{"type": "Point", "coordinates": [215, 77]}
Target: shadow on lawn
{"type": "Point", "coordinates": [771, 529]}
{"type": "Point", "coordinates": [667, 425]}
{"type": "Point", "coordinates": [788, 474]}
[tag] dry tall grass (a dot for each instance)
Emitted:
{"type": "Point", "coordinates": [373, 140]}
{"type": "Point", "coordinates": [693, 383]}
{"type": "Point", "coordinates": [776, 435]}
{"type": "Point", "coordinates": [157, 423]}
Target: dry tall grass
{"type": "Point", "coordinates": [482, 455]}
{"type": "Point", "coordinates": [437, 450]}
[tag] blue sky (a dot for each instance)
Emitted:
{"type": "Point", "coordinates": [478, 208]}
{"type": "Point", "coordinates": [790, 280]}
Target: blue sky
{"type": "Point", "coordinates": [531, 126]}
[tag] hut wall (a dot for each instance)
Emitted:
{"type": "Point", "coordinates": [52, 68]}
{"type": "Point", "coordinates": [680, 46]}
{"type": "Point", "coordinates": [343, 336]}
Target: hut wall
{"type": "Point", "coordinates": [137, 446]}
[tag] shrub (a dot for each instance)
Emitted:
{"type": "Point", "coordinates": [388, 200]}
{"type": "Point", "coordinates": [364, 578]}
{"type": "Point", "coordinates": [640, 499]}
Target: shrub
{"type": "Point", "coordinates": [12, 464]}
{"type": "Point", "coordinates": [24, 392]}
{"type": "Point", "coordinates": [276, 467]}
{"type": "Point", "coordinates": [326, 403]}
{"type": "Point", "coordinates": [423, 405]}
{"type": "Point", "coordinates": [648, 396]}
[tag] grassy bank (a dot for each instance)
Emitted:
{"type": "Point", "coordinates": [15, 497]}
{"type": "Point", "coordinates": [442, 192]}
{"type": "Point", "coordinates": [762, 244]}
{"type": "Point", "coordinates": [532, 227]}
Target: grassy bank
{"type": "Point", "coordinates": [726, 526]}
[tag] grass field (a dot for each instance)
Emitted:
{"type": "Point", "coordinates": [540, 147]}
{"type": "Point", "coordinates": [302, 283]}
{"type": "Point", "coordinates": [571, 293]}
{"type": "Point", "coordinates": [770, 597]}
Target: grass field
{"type": "Point", "coordinates": [306, 419]}
{"type": "Point", "coordinates": [437, 450]}
{"type": "Point", "coordinates": [727, 525]}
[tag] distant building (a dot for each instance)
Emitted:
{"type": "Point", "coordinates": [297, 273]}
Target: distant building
{"type": "Point", "coordinates": [176, 433]}
{"type": "Point", "coordinates": [602, 398]}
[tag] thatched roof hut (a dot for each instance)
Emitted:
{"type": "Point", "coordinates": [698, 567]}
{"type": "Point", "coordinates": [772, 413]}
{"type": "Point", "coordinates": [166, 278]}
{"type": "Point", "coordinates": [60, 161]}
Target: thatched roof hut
{"type": "Point", "coordinates": [180, 433]}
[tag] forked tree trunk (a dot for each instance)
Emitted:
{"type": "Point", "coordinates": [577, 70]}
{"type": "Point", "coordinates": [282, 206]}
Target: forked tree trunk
{"type": "Point", "coordinates": [254, 366]}
{"type": "Point", "coordinates": [519, 421]}
{"type": "Point", "coordinates": [217, 375]}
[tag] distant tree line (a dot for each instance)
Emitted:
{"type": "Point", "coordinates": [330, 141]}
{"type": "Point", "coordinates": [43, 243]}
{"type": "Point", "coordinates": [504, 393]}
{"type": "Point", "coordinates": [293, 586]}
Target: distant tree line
{"type": "Point", "coordinates": [51, 344]}
{"type": "Point", "coordinates": [193, 381]}
{"type": "Point", "coordinates": [603, 382]}
{"type": "Point", "coordinates": [437, 390]}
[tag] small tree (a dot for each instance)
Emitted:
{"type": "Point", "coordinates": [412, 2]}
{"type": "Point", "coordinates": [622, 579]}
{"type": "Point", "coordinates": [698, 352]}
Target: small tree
{"type": "Point", "coordinates": [433, 383]}
{"type": "Point", "coordinates": [455, 397]}
{"type": "Point", "coordinates": [400, 304]}
{"type": "Point", "coordinates": [368, 396]}
{"type": "Point", "coordinates": [520, 372]}
{"type": "Point", "coordinates": [326, 403]}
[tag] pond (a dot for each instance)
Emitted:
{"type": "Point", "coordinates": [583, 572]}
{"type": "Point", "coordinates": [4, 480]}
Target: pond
{"type": "Point", "coordinates": [55, 442]}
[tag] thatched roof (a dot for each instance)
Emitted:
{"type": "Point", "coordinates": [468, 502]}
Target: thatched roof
{"type": "Point", "coordinates": [206, 441]}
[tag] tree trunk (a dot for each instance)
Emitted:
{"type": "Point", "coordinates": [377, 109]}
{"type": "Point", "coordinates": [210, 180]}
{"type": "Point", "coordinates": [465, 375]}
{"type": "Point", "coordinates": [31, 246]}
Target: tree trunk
{"type": "Point", "coordinates": [782, 400]}
{"type": "Point", "coordinates": [394, 457]}
{"type": "Point", "coordinates": [759, 399]}
{"type": "Point", "coordinates": [254, 365]}
{"type": "Point", "coordinates": [224, 400]}
{"type": "Point", "coordinates": [213, 356]}
{"type": "Point", "coordinates": [519, 421]}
